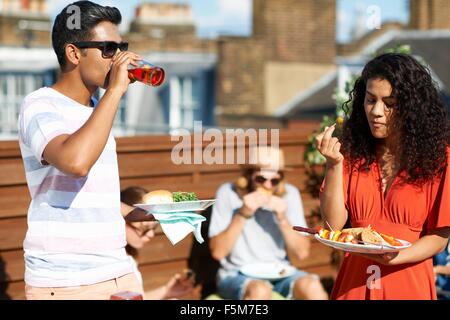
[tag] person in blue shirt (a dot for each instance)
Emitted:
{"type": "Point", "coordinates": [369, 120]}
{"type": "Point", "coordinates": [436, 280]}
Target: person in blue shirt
{"type": "Point", "coordinates": [441, 268]}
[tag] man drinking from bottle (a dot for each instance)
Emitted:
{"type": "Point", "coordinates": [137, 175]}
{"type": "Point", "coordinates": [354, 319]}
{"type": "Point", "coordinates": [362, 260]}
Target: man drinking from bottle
{"type": "Point", "coordinates": [75, 242]}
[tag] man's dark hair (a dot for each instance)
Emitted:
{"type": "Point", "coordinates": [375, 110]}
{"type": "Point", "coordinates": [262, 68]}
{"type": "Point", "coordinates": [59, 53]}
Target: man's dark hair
{"type": "Point", "coordinates": [66, 30]}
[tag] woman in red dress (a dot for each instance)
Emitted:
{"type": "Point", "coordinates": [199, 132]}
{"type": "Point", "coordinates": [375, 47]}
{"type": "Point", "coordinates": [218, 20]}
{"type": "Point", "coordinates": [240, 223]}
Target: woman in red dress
{"type": "Point", "coordinates": [391, 172]}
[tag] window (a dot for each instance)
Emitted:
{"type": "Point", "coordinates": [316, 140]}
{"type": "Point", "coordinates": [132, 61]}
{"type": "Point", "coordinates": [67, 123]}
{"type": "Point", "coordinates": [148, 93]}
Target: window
{"type": "Point", "coordinates": [13, 89]}
{"type": "Point", "coordinates": [184, 102]}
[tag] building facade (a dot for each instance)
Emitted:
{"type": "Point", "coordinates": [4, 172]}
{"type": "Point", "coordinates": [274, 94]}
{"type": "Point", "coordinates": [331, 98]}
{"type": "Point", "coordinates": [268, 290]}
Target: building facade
{"type": "Point", "coordinates": [254, 81]}
{"type": "Point", "coordinates": [164, 34]}
{"type": "Point", "coordinates": [292, 47]}
{"type": "Point", "coordinates": [24, 23]}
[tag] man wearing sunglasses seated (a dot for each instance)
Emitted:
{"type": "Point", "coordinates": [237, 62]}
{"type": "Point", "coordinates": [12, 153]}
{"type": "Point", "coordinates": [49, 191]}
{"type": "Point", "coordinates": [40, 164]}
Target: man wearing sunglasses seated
{"type": "Point", "coordinates": [251, 222]}
{"type": "Point", "coordinates": [75, 243]}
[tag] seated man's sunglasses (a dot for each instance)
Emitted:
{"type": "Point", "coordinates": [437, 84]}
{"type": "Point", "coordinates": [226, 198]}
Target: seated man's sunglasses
{"type": "Point", "coordinates": [109, 48]}
{"type": "Point", "coordinates": [273, 181]}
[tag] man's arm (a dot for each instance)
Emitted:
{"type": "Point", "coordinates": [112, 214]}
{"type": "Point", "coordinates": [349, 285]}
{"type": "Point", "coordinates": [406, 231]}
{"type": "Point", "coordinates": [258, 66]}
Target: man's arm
{"type": "Point", "coordinates": [296, 244]}
{"type": "Point", "coordinates": [222, 244]}
{"type": "Point", "coordinates": [76, 153]}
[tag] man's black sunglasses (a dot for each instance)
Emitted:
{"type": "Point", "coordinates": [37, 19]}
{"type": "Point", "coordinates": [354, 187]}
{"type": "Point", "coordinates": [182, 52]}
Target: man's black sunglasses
{"type": "Point", "coordinates": [273, 181]}
{"type": "Point", "coordinates": [109, 48]}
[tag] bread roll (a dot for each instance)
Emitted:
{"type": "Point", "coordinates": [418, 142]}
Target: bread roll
{"type": "Point", "coordinates": [369, 236]}
{"type": "Point", "coordinates": [356, 232]}
{"type": "Point", "coordinates": [268, 193]}
{"type": "Point", "coordinates": [158, 197]}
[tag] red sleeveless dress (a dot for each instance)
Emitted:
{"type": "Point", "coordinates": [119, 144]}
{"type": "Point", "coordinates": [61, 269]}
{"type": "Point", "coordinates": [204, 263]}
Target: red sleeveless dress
{"type": "Point", "coordinates": [406, 212]}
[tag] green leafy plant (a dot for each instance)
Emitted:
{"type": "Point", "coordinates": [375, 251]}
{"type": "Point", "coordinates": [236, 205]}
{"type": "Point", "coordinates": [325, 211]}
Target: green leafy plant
{"type": "Point", "coordinates": [397, 48]}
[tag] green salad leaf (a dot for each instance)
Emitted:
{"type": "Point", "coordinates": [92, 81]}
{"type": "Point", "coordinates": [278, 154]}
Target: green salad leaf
{"type": "Point", "coordinates": [184, 196]}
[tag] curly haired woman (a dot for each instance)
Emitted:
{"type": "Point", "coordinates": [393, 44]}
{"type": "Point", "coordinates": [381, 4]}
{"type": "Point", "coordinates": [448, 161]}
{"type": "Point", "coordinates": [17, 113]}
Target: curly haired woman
{"type": "Point", "coordinates": [390, 169]}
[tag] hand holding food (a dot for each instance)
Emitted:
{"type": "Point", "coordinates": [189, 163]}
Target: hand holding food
{"type": "Point", "coordinates": [279, 206]}
{"type": "Point", "coordinates": [329, 146]}
{"type": "Point", "coordinates": [180, 284]}
{"type": "Point", "coordinates": [265, 191]}
{"type": "Point", "coordinates": [146, 228]}
{"type": "Point", "coordinates": [188, 275]}
{"type": "Point", "coordinates": [252, 202]}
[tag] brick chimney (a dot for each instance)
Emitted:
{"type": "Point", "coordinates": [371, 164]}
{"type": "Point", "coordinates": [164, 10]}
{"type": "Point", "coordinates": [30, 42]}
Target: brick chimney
{"type": "Point", "coordinates": [429, 14]}
{"type": "Point", "coordinates": [296, 30]}
{"type": "Point", "coordinates": [25, 4]}
{"type": "Point", "coordinates": [293, 45]}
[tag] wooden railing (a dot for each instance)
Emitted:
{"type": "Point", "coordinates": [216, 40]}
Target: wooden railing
{"type": "Point", "coordinates": [144, 161]}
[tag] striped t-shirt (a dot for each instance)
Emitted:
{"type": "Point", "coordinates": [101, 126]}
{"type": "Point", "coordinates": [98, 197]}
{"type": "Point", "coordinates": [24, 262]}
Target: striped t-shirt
{"type": "Point", "coordinates": [76, 233]}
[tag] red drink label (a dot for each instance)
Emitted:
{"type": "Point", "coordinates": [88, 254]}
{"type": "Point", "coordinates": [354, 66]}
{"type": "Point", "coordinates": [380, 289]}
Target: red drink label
{"type": "Point", "coordinates": [151, 76]}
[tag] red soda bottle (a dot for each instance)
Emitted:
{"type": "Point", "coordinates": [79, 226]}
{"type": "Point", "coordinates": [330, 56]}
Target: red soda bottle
{"type": "Point", "coordinates": [147, 73]}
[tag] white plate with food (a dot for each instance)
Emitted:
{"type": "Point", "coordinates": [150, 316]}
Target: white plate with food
{"type": "Point", "coordinates": [164, 201]}
{"type": "Point", "coordinates": [363, 247]}
{"type": "Point", "coordinates": [358, 240]}
{"type": "Point", "coordinates": [198, 205]}
{"type": "Point", "coordinates": [268, 271]}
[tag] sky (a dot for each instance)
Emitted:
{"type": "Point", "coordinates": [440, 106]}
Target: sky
{"type": "Point", "coordinates": [216, 17]}
{"type": "Point", "coordinates": [349, 10]}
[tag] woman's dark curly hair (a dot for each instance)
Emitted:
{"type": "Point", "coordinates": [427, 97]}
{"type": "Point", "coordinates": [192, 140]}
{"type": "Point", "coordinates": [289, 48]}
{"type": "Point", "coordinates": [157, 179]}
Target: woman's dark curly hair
{"type": "Point", "coordinates": [419, 119]}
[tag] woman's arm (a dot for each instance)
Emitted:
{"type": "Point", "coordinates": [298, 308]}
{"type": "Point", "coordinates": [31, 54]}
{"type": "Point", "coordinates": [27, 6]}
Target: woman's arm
{"type": "Point", "coordinates": [424, 248]}
{"type": "Point", "coordinates": [332, 202]}
{"type": "Point", "coordinates": [133, 214]}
